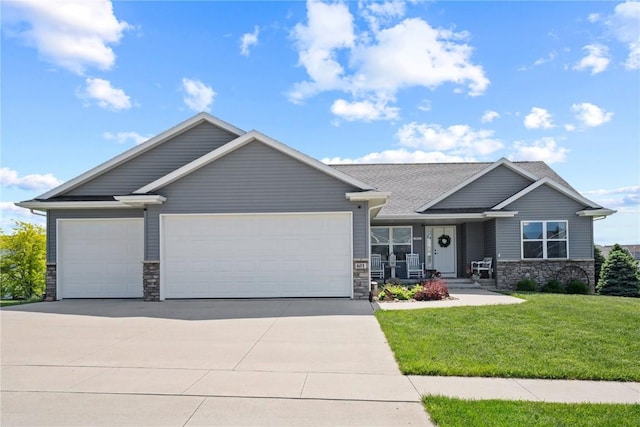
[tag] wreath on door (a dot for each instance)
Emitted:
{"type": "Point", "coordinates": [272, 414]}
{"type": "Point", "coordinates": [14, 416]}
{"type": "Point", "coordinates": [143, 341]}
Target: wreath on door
{"type": "Point", "coordinates": [444, 241]}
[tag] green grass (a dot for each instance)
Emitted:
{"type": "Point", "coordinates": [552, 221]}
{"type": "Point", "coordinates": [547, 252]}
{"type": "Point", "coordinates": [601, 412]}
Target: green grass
{"type": "Point", "coordinates": [446, 412]}
{"type": "Point", "coordinates": [549, 336]}
{"type": "Point", "coordinates": [10, 302]}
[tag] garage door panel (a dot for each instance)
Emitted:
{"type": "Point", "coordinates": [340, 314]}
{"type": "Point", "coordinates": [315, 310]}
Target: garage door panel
{"type": "Point", "coordinates": [100, 258]}
{"type": "Point", "coordinates": [263, 255]}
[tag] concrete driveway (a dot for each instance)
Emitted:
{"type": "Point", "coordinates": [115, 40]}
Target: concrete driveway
{"type": "Point", "coordinates": [201, 362]}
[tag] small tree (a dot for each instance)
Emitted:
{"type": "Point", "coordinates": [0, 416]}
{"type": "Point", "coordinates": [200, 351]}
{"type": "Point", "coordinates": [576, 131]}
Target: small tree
{"type": "Point", "coordinates": [22, 263]}
{"type": "Point", "coordinates": [619, 275]}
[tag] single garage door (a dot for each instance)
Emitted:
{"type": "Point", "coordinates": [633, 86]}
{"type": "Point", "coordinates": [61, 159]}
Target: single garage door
{"type": "Point", "coordinates": [256, 255]}
{"type": "Point", "coordinates": [100, 258]}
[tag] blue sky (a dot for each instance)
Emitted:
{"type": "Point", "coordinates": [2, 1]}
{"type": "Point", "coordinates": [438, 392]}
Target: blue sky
{"type": "Point", "coordinates": [343, 82]}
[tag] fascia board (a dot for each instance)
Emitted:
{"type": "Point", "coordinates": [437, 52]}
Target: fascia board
{"type": "Point", "coordinates": [40, 205]}
{"type": "Point", "coordinates": [367, 195]}
{"type": "Point", "coordinates": [502, 161]}
{"type": "Point", "coordinates": [139, 149]}
{"type": "Point", "coordinates": [551, 183]}
{"type": "Point", "coordinates": [239, 142]}
{"type": "Point", "coordinates": [142, 199]}
{"type": "Point", "coordinates": [596, 212]}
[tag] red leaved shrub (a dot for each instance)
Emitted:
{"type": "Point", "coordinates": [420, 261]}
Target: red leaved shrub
{"type": "Point", "coordinates": [432, 290]}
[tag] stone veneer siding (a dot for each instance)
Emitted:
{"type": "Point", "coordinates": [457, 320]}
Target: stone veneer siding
{"type": "Point", "coordinates": [361, 279]}
{"type": "Point", "coordinates": [151, 280]}
{"type": "Point", "coordinates": [50, 292]}
{"type": "Point", "coordinates": [508, 273]}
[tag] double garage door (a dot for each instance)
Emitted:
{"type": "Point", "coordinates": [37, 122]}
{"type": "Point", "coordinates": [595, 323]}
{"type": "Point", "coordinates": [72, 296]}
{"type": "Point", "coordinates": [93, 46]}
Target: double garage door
{"type": "Point", "coordinates": [210, 256]}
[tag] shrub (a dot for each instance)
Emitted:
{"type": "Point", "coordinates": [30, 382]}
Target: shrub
{"type": "Point", "coordinates": [552, 286]}
{"type": "Point", "coordinates": [527, 285]}
{"type": "Point", "coordinates": [619, 275]}
{"type": "Point", "coordinates": [577, 287]}
{"type": "Point", "coordinates": [398, 292]}
{"type": "Point", "coordinates": [432, 290]}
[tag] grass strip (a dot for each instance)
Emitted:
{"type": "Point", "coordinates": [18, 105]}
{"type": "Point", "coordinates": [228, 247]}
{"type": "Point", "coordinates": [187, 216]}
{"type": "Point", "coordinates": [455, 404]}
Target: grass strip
{"type": "Point", "coordinates": [449, 412]}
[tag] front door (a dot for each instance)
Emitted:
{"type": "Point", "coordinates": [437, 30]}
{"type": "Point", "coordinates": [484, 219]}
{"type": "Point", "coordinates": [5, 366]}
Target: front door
{"type": "Point", "coordinates": [441, 245]}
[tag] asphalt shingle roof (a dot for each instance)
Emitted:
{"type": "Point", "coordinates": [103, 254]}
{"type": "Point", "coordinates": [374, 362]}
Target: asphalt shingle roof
{"type": "Point", "coordinates": [415, 184]}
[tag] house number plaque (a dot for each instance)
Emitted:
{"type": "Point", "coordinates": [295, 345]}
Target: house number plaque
{"type": "Point", "coordinates": [361, 266]}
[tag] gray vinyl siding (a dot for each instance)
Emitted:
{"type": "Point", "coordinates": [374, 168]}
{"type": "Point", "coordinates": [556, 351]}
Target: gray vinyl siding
{"type": "Point", "coordinates": [472, 247]}
{"type": "Point", "coordinates": [257, 179]}
{"type": "Point", "coordinates": [487, 191]}
{"type": "Point", "coordinates": [156, 162]}
{"type": "Point", "coordinates": [54, 215]}
{"type": "Point", "coordinates": [490, 239]}
{"type": "Point", "coordinates": [545, 204]}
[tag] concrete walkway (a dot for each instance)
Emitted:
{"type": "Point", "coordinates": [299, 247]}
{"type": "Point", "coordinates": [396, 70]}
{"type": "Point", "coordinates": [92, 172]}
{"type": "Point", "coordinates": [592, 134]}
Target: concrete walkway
{"type": "Point", "coordinates": [459, 297]}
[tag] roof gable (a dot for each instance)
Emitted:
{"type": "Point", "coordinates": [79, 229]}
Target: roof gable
{"type": "Point", "coordinates": [141, 149]}
{"type": "Point", "coordinates": [554, 185]}
{"type": "Point", "coordinates": [500, 163]}
{"type": "Point", "coordinates": [252, 136]}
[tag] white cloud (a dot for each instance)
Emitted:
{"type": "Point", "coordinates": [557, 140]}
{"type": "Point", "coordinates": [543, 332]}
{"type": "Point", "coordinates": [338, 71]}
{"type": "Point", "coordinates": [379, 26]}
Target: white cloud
{"type": "Point", "coordinates": [398, 156]}
{"type": "Point", "coordinates": [538, 118]}
{"type": "Point", "coordinates": [458, 140]}
{"type": "Point", "coordinates": [75, 35]}
{"type": "Point", "coordinates": [412, 53]}
{"type": "Point", "coordinates": [593, 17]}
{"type": "Point", "coordinates": [378, 62]}
{"type": "Point", "coordinates": [34, 182]}
{"type": "Point", "coordinates": [367, 110]}
{"type": "Point", "coordinates": [545, 149]}
{"type": "Point", "coordinates": [616, 198]}
{"type": "Point", "coordinates": [569, 127]}
{"type": "Point", "coordinates": [490, 116]}
{"type": "Point", "coordinates": [107, 96]}
{"type": "Point", "coordinates": [425, 105]}
{"type": "Point", "coordinates": [329, 27]}
{"type": "Point", "coordinates": [9, 213]}
{"type": "Point", "coordinates": [591, 115]}
{"type": "Point", "coordinates": [552, 55]}
{"type": "Point", "coordinates": [198, 96]}
{"type": "Point", "coordinates": [123, 137]}
{"type": "Point", "coordinates": [597, 59]}
{"type": "Point", "coordinates": [247, 40]}
{"type": "Point", "coordinates": [625, 26]}
{"type": "Point", "coordinates": [378, 13]}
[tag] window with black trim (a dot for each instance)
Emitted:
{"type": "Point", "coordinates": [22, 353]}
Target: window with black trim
{"type": "Point", "coordinates": [545, 239]}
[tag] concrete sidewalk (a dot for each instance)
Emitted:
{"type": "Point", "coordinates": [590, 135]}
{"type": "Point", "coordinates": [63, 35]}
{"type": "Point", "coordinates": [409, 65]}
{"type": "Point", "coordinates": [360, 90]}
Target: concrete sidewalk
{"type": "Point", "coordinates": [565, 391]}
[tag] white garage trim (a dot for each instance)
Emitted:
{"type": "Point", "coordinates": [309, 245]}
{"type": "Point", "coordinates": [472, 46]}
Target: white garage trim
{"type": "Point", "coordinates": [125, 251]}
{"type": "Point", "coordinates": [181, 241]}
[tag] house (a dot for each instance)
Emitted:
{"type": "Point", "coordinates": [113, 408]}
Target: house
{"type": "Point", "coordinates": [207, 210]}
{"type": "Point", "coordinates": [634, 250]}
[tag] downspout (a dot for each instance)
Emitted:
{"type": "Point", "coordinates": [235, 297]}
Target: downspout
{"type": "Point", "coordinates": [33, 212]}
{"type": "Point", "coordinates": [371, 208]}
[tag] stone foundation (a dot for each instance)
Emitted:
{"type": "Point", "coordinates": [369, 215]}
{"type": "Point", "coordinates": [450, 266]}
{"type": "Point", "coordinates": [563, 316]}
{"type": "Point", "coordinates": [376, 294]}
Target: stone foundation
{"type": "Point", "coordinates": [361, 278]}
{"type": "Point", "coordinates": [151, 280]}
{"type": "Point", "coordinates": [508, 273]}
{"type": "Point", "coordinates": [50, 292]}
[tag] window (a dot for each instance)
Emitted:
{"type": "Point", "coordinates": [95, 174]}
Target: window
{"type": "Point", "coordinates": [544, 239]}
{"type": "Point", "coordinates": [385, 240]}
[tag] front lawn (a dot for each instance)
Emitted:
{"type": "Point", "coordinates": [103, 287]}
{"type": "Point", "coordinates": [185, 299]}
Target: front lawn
{"type": "Point", "coordinates": [549, 336]}
{"type": "Point", "coordinates": [446, 412]}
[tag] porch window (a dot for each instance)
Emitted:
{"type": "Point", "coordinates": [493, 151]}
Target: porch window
{"type": "Point", "coordinates": [544, 239]}
{"type": "Point", "coordinates": [385, 240]}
